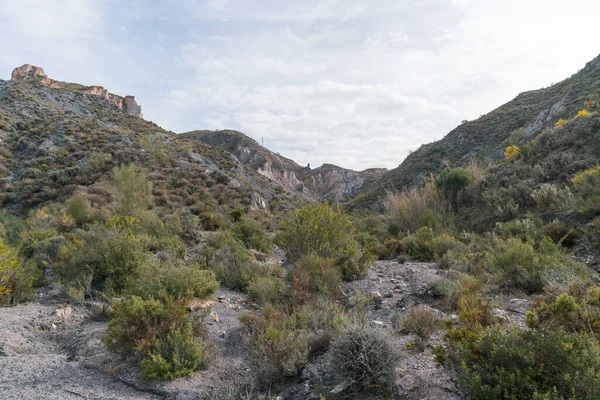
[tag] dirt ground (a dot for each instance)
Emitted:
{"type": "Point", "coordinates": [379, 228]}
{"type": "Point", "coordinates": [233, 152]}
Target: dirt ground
{"type": "Point", "coordinates": [52, 349]}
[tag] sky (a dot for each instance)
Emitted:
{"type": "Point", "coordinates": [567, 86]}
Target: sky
{"type": "Point", "coordinates": [355, 83]}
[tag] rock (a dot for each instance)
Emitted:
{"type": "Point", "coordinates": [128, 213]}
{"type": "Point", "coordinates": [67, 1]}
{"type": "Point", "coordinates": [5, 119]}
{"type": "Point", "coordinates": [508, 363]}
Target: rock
{"type": "Point", "coordinates": [501, 314]}
{"type": "Point", "coordinates": [259, 256]}
{"type": "Point", "coordinates": [97, 91]}
{"type": "Point", "coordinates": [378, 324]}
{"type": "Point", "coordinates": [305, 375]}
{"type": "Point", "coordinates": [30, 73]}
{"type": "Point", "coordinates": [341, 387]}
{"type": "Point", "coordinates": [389, 294]}
{"type": "Point", "coordinates": [407, 382]}
{"type": "Point", "coordinates": [214, 316]}
{"type": "Point", "coordinates": [518, 305]}
{"type": "Point", "coordinates": [377, 299]}
{"type": "Point", "coordinates": [131, 107]}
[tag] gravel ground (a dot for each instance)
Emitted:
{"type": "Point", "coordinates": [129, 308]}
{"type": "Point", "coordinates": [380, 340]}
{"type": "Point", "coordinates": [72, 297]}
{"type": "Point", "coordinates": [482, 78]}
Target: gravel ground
{"type": "Point", "coordinates": [52, 350]}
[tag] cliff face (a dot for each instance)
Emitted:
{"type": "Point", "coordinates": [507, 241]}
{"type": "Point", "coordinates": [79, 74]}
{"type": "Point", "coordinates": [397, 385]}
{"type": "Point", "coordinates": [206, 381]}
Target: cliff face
{"type": "Point", "coordinates": [327, 182]}
{"type": "Point", "coordinates": [35, 75]}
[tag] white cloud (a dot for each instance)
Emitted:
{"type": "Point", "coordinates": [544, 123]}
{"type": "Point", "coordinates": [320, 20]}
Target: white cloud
{"type": "Point", "coordinates": [351, 82]}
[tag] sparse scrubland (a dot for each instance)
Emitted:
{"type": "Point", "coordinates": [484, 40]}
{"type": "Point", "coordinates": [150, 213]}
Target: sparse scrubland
{"type": "Point", "coordinates": [152, 234]}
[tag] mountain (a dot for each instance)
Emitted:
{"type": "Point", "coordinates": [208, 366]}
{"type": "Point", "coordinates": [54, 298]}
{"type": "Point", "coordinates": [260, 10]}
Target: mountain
{"type": "Point", "coordinates": [58, 139]}
{"type": "Point", "coordinates": [485, 139]}
{"type": "Point", "coordinates": [327, 182]}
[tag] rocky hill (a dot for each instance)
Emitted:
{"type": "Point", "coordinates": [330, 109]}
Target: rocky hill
{"type": "Point", "coordinates": [485, 139]}
{"type": "Point", "coordinates": [58, 139]}
{"type": "Point", "coordinates": [327, 182]}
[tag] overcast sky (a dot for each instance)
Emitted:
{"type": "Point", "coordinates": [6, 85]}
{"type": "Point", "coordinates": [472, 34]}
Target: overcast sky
{"type": "Point", "coordinates": [350, 82]}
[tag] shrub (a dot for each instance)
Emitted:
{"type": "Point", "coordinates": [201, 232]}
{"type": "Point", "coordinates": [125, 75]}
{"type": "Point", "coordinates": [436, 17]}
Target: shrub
{"type": "Point", "coordinates": [230, 261]}
{"type": "Point", "coordinates": [363, 356]}
{"type": "Point", "coordinates": [113, 255]}
{"type": "Point", "coordinates": [253, 235]}
{"type": "Point", "coordinates": [134, 191]}
{"type": "Point", "coordinates": [549, 197]}
{"type": "Point", "coordinates": [560, 122]}
{"type": "Point", "coordinates": [587, 182]}
{"type": "Point", "coordinates": [519, 364]}
{"type": "Point", "coordinates": [444, 243]}
{"type": "Point", "coordinates": [279, 351]}
{"type": "Point", "coordinates": [389, 249]}
{"type": "Point", "coordinates": [451, 182]}
{"type": "Point", "coordinates": [353, 264]}
{"type": "Point", "coordinates": [313, 275]}
{"type": "Point", "coordinates": [16, 279]}
{"type": "Point", "coordinates": [97, 162]}
{"type": "Point", "coordinates": [157, 277]}
{"type": "Point", "coordinates": [418, 207]}
{"type": "Point", "coordinates": [583, 113]}
{"type": "Point", "coordinates": [511, 152]}
{"type": "Point", "coordinates": [267, 290]}
{"type": "Point", "coordinates": [565, 313]}
{"type": "Point", "coordinates": [176, 355]}
{"type": "Point", "coordinates": [79, 209]}
{"type": "Point", "coordinates": [420, 244]}
{"type": "Point", "coordinates": [159, 334]}
{"type": "Point", "coordinates": [517, 265]}
{"type": "Point", "coordinates": [526, 230]}
{"type": "Point", "coordinates": [322, 229]}
{"type": "Point", "coordinates": [421, 321]}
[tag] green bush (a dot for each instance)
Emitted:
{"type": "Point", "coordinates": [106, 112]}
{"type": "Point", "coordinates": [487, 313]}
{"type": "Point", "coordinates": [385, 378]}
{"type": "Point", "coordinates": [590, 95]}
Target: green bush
{"type": "Point", "coordinates": [318, 228]}
{"type": "Point", "coordinates": [565, 313]}
{"type": "Point", "coordinates": [279, 349]}
{"type": "Point", "coordinates": [518, 364]}
{"type": "Point", "coordinates": [113, 255]}
{"type": "Point", "coordinates": [352, 263]}
{"type": "Point", "coordinates": [526, 230]}
{"type": "Point", "coordinates": [389, 249]}
{"type": "Point", "coordinates": [16, 278]}
{"type": "Point", "coordinates": [363, 356]}
{"type": "Point", "coordinates": [314, 275]}
{"type": "Point", "coordinates": [420, 244]}
{"type": "Point", "coordinates": [267, 290]}
{"type": "Point", "coordinates": [230, 261]}
{"type": "Point", "coordinates": [451, 182]}
{"type": "Point", "coordinates": [520, 265]}
{"type": "Point", "coordinates": [159, 334]}
{"type": "Point", "coordinates": [177, 354]}
{"type": "Point", "coordinates": [79, 209]}
{"type": "Point", "coordinates": [157, 277]}
{"type": "Point", "coordinates": [134, 190]}
{"type": "Point", "coordinates": [253, 235]}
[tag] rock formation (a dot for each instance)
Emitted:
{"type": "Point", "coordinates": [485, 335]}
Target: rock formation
{"type": "Point", "coordinates": [32, 74]}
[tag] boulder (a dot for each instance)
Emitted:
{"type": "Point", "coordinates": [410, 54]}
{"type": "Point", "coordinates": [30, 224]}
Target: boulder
{"type": "Point", "coordinates": [519, 306]}
{"type": "Point", "coordinates": [131, 107]}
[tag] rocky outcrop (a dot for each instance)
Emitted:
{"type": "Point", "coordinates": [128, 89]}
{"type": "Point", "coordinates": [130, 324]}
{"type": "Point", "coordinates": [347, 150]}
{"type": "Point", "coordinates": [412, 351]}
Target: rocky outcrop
{"type": "Point", "coordinates": [131, 107]}
{"type": "Point", "coordinates": [31, 74]}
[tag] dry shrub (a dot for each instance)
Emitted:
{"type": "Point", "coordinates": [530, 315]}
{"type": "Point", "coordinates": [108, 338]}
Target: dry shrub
{"type": "Point", "coordinates": [421, 321]}
{"type": "Point", "coordinates": [417, 207]}
{"type": "Point", "coordinates": [363, 356]}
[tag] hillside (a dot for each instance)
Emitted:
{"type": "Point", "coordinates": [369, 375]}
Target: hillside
{"type": "Point", "coordinates": [484, 139]}
{"type": "Point", "coordinates": [327, 182]}
{"type": "Point", "coordinates": [59, 139]}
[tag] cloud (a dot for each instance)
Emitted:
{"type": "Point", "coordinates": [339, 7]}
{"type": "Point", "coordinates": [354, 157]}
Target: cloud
{"type": "Point", "coordinates": [354, 83]}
